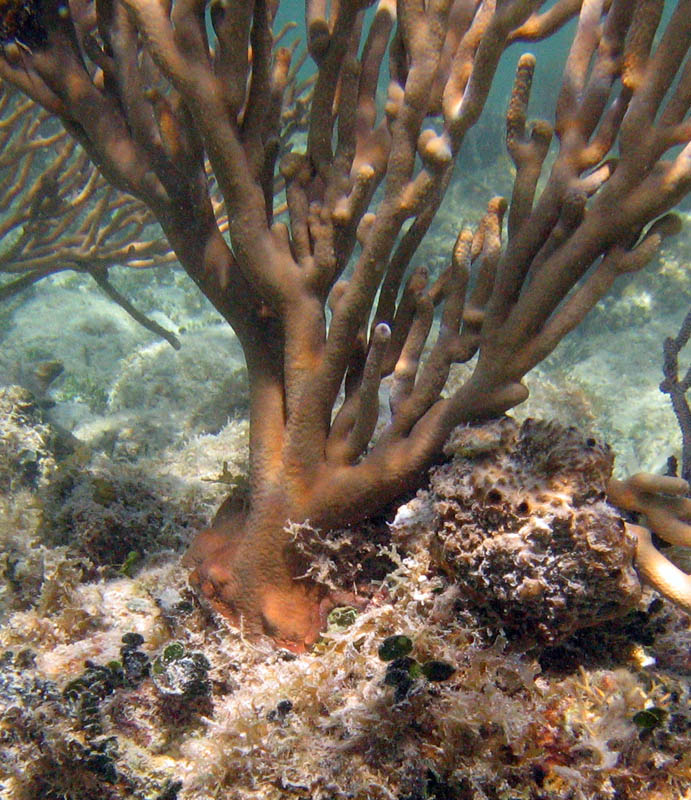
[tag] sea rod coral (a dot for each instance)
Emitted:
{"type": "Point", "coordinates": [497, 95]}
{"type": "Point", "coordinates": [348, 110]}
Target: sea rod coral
{"type": "Point", "coordinates": [323, 299]}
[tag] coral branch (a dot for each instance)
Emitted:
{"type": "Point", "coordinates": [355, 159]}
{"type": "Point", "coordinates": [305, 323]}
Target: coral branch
{"type": "Point", "coordinates": [677, 388]}
{"type": "Point", "coordinates": [666, 508]}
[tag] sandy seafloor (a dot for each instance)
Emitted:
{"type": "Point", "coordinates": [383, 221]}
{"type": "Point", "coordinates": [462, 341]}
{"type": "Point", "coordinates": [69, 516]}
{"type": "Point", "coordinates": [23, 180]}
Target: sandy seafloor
{"type": "Point", "coordinates": [92, 530]}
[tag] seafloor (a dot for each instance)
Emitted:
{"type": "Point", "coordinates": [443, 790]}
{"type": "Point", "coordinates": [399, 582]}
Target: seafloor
{"type": "Point", "coordinates": [116, 683]}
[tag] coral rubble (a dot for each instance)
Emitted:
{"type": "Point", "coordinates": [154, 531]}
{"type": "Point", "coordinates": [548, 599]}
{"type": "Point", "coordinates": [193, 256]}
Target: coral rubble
{"type": "Point", "coordinates": [119, 684]}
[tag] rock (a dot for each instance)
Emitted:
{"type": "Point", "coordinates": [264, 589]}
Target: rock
{"type": "Point", "coordinates": [522, 526]}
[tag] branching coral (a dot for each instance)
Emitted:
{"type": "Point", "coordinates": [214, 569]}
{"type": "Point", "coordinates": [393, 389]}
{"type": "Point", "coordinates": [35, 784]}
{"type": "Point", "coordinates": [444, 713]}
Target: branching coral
{"type": "Point", "coordinates": [326, 298]}
{"type": "Point", "coordinates": [666, 509]}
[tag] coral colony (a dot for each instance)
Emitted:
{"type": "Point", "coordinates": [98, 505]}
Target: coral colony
{"type": "Point", "coordinates": [518, 529]}
{"type": "Point", "coordinates": [595, 218]}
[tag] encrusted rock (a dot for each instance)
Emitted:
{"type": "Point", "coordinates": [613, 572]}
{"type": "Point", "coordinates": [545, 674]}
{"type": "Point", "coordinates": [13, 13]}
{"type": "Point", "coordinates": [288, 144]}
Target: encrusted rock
{"type": "Point", "coordinates": [26, 442]}
{"type": "Point", "coordinates": [523, 526]}
{"type": "Point", "coordinates": [179, 674]}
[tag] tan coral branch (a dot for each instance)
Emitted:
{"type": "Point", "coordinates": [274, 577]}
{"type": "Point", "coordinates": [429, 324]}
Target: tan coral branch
{"type": "Point", "coordinates": [665, 504]}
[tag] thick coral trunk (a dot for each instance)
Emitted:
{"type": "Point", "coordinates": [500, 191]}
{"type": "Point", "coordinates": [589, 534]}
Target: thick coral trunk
{"type": "Point", "coordinates": [247, 568]}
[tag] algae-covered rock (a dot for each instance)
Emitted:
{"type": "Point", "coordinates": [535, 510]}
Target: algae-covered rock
{"type": "Point", "coordinates": [26, 441]}
{"type": "Point", "coordinates": [523, 527]}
